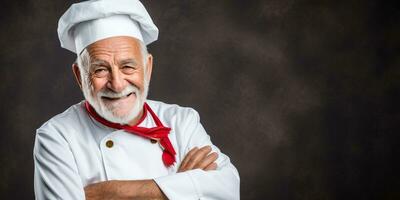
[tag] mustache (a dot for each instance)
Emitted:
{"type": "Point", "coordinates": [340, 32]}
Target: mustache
{"type": "Point", "coordinates": [111, 94]}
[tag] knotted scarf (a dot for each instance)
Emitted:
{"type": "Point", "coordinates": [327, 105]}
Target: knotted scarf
{"type": "Point", "coordinates": [159, 133]}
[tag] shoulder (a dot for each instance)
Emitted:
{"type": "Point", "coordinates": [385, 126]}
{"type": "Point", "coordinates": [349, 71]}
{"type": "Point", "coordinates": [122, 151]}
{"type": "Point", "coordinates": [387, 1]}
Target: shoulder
{"type": "Point", "coordinates": [184, 123]}
{"type": "Point", "coordinates": [173, 112]}
{"type": "Point", "coordinates": [64, 122]}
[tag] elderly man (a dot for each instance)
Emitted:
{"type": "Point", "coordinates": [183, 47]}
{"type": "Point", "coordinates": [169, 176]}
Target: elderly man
{"type": "Point", "coordinates": [117, 144]}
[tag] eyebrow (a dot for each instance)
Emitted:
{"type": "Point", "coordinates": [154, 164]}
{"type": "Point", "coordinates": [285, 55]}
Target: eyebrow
{"type": "Point", "coordinates": [128, 61]}
{"type": "Point", "coordinates": [98, 62]}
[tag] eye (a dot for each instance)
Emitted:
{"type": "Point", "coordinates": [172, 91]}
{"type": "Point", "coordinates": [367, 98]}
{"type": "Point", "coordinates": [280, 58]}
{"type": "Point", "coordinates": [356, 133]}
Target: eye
{"type": "Point", "coordinates": [101, 72]}
{"type": "Point", "coordinates": [127, 69]}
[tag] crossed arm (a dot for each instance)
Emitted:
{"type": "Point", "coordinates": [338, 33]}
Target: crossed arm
{"type": "Point", "coordinates": [196, 158]}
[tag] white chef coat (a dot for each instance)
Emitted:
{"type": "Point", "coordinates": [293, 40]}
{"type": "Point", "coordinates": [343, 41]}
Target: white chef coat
{"type": "Point", "coordinates": [71, 151]}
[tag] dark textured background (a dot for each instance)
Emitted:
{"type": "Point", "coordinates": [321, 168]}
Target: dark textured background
{"type": "Point", "coordinates": [302, 95]}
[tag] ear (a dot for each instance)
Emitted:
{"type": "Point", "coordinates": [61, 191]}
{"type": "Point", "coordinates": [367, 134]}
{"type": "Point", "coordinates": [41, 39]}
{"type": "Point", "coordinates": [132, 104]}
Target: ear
{"type": "Point", "coordinates": [149, 66]}
{"type": "Point", "coordinates": [77, 74]}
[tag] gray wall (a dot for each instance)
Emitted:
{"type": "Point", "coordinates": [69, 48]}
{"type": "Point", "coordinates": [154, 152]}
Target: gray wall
{"type": "Point", "coordinates": [302, 95]}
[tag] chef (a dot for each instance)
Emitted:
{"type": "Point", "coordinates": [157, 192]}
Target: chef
{"type": "Point", "coordinates": [117, 144]}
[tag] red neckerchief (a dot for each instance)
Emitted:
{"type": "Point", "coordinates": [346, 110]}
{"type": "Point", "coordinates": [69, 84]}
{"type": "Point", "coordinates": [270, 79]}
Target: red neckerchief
{"type": "Point", "coordinates": [160, 132]}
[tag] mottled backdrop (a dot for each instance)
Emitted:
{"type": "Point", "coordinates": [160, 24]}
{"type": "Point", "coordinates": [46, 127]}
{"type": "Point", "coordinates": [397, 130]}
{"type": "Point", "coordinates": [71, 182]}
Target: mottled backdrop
{"type": "Point", "coordinates": [302, 95]}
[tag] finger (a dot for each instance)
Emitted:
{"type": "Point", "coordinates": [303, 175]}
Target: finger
{"type": "Point", "coordinates": [187, 158]}
{"type": "Point", "coordinates": [212, 166]}
{"type": "Point", "coordinates": [198, 156]}
{"type": "Point", "coordinates": [210, 158]}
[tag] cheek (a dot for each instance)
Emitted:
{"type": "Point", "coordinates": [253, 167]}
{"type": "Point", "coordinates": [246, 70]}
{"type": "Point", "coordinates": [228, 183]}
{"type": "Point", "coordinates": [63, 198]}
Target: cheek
{"type": "Point", "coordinates": [137, 79]}
{"type": "Point", "coordinates": [98, 84]}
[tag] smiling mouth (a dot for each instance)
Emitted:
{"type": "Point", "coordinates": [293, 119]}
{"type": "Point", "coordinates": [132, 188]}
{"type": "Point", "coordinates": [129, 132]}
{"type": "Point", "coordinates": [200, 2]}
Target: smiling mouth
{"type": "Point", "coordinates": [116, 98]}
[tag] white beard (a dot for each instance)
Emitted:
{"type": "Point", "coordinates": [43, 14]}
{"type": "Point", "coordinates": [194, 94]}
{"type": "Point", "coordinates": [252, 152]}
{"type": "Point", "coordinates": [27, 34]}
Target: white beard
{"type": "Point", "coordinates": [106, 111]}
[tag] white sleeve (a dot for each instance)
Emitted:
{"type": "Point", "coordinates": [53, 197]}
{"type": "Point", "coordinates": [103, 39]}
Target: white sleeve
{"type": "Point", "coordinates": [222, 183]}
{"type": "Point", "coordinates": [56, 174]}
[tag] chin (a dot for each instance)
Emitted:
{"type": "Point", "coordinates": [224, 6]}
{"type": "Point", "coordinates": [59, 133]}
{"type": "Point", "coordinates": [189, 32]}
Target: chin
{"type": "Point", "coordinates": [121, 113]}
{"type": "Point", "coordinates": [118, 114]}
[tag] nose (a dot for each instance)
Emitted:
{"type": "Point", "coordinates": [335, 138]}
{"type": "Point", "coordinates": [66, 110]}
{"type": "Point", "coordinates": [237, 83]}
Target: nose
{"type": "Point", "coordinates": [116, 82]}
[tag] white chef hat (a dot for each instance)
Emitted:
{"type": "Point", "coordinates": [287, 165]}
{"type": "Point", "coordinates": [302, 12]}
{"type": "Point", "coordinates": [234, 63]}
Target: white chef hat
{"type": "Point", "coordinates": [90, 21]}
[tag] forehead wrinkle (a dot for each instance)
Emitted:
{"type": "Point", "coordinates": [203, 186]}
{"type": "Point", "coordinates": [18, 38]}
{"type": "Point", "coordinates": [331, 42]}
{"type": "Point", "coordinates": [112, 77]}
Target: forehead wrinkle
{"type": "Point", "coordinates": [112, 48]}
{"type": "Point", "coordinates": [127, 51]}
{"type": "Point", "coordinates": [97, 62]}
{"type": "Point", "coordinates": [115, 53]}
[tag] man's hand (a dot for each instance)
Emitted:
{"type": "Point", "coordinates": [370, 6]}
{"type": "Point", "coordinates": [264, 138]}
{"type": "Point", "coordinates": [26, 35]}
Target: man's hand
{"type": "Point", "coordinates": [113, 190]}
{"type": "Point", "coordinates": [199, 159]}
